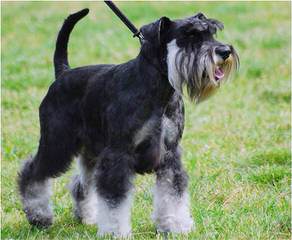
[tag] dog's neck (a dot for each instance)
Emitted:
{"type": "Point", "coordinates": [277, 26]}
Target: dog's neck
{"type": "Point", "coordinates": [155, 56]}
{"type": "Point", "coordinates": [155, 73]}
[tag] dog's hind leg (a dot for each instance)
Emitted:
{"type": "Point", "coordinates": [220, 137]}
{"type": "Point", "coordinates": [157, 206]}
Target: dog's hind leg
{"type": "Point", "coordinates": [114, 190]}
{"type": "Point", "coordinates": [171, 203]}
{"type": "Point", "coordinates": [83, 191]}
{"type": "Point", "coordinates": [35, 191]}
{"type": "Point", "coordinates": [52, 159]}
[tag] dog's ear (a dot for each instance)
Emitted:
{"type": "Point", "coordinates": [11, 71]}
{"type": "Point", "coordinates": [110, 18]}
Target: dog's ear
{"type": "Point", "coordinates": [163, 26]}
{"type": "Point", "coordinates": [155, 32]}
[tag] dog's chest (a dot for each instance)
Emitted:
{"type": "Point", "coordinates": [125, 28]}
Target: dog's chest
{"type": "Point", "coordinates": [170, 130]}
{"type": "Point", "coordinates": [151, 141]}
{"type": "Point", "coordinates": [163, 128]}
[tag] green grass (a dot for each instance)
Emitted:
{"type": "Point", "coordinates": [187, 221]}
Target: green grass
{"type": "Point", "coordinates": [236, 144]}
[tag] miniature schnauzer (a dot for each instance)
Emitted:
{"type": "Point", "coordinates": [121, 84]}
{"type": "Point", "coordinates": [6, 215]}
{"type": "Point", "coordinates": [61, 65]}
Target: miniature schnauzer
{"type": "Point", "coordinates": [120, 120]}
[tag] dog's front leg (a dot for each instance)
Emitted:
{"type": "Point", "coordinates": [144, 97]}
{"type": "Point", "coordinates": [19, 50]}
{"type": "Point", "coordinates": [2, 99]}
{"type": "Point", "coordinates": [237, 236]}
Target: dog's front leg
{"type": "Point", "coordinates": [171, 201]}
{"type": "Point", "coordinates": [114, 188]}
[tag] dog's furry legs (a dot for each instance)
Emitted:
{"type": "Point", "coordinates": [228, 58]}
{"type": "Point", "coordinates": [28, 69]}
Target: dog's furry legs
{"type": "Point", "coordinates": [35, 195]}
{"type": "Point", "coordinates": [114, 218]}
{"type": "Point", "coordinates": [114, 187]}
{"type": "Point", "coordinates": [84, 194]}
{"type": "Point", "coordinates": [171, 203]}
{"type": "Point", "coordinates": [52, 159]}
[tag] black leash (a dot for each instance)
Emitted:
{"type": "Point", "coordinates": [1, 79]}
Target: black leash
{"type": "Point", "coordinates": [134, 30]}
{"type": "Point", "coordinates": [125, 20]}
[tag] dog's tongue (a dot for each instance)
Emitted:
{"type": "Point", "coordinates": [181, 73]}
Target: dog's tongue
{"type": "Point", "coordinates": [219, 74]}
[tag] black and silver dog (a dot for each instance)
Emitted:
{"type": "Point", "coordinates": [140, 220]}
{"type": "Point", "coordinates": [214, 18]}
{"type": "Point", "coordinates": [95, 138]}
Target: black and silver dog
{"type": "Point", "coordinates": [120, 120]}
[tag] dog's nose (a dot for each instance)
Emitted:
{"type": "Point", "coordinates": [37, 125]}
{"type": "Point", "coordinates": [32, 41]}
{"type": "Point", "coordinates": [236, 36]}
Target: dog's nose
{"type": "Point", "coordinates": [223, 51]}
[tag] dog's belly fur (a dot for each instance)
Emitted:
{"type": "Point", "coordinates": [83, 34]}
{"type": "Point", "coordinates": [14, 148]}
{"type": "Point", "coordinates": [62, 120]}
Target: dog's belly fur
{"type": "Point", "coordinates": [92, 113]}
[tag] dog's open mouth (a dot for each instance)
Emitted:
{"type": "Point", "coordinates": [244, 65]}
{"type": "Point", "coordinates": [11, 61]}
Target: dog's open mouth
{"type": "Point", "coordinates": [219, 73]}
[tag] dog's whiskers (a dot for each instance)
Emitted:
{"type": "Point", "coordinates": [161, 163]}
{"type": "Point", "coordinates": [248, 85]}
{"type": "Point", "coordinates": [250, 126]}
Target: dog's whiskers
{"type": "Point", "coordinates": [197, 72]}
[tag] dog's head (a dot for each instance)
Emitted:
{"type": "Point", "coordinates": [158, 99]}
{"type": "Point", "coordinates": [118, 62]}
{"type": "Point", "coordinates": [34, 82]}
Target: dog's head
{"type": "Point", "coordinates": [194, 58]}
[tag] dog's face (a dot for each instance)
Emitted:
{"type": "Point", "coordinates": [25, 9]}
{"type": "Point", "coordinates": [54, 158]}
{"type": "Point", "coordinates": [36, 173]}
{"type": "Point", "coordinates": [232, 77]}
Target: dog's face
{"type": "Point", "coordinates": [194, 58]}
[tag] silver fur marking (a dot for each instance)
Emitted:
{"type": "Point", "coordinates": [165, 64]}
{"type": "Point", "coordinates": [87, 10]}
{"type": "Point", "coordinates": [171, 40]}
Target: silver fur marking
{"type": "Point", "coordinates": [86, 209]}
{"type": "Point", "coordinates": [171, 211]}
{"type": "Point", "coordinates": [145, 131]}
{"type": "Point", "coordinates": [173, 75]}
{"type": "Point", "coordinates": [169, 129]}
{"type": "Point", "coordinates": [36, 201]}
{"type": "Point", "coordinates": [114, 220]}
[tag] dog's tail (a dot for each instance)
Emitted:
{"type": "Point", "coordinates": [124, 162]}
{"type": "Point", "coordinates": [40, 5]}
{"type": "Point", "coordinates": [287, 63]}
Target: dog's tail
{"type": "Point", "coordinates": [60, 56]}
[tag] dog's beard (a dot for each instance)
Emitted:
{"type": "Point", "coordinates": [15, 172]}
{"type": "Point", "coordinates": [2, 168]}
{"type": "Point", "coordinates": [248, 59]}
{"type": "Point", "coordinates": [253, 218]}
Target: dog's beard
{"type": "Point", "coordinates": [198, 70]}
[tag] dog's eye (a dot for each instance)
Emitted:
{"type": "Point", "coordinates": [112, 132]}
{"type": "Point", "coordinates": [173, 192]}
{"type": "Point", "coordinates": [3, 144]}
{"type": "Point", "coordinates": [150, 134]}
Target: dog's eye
{"type": "Point", "coordinates": [190, 32]}
{"type": "Point", "coordinates": [192, 35]}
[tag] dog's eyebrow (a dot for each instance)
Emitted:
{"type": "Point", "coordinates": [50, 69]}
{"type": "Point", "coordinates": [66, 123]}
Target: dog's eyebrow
{"type": "Point", "coordinates": [217, 23]}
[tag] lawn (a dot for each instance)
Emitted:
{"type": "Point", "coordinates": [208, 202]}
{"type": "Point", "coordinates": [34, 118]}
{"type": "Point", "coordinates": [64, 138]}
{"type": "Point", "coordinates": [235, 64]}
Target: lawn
{"type": "Point", "coordinates": [236, 144]}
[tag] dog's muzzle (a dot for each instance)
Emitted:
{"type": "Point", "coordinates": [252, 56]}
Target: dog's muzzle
{"type": "Point", "coordinates": [223, 58]}
{"type": "Point", "coordinates": [223, 51]}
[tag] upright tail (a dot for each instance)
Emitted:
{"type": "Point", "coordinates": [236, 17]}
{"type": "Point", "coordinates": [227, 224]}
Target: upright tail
{"type": "Point", "coordinates": [60, 56]}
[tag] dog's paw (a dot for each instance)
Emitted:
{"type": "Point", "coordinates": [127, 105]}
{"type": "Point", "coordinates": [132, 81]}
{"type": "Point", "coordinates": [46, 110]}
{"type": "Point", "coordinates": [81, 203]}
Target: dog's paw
{"type": "Point", "coordinates": [90, 220]}
{"type": "Point", "coordinates": [175, 225]}
{"type": "Point", "coordinates": [85, 217]}
{"type": "Point", "coordinates": [39, 219]}
{"type": "Point", "coordinates": [116, 234]}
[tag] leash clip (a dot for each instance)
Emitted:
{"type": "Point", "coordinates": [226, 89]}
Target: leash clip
{"type": "Point", "coordinates": [139, 35]}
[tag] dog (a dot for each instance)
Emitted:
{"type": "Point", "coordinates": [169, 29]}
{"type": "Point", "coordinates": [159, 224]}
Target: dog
{"type": "Point", "coordinates": [122, 120]}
